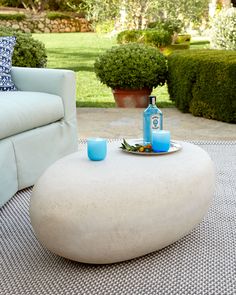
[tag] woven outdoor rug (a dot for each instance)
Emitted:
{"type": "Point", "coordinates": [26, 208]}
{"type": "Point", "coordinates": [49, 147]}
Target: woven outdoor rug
{"type": "Point", "coordinates": [203, 262]}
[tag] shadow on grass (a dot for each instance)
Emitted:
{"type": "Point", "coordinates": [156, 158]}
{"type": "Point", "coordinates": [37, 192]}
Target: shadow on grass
{"type": "Point", "coordinates": [203, 42]}
{"type": "Point", "coordinates": [71, 60]}
{"type": "Point", "coordinates": [78, 68]}
{"type": "Point", "coordinates": [105, 104]}
{"type": "Point", "coordinates": [95, 104]}
{"type": "Point", "coordinates": [68, 54]}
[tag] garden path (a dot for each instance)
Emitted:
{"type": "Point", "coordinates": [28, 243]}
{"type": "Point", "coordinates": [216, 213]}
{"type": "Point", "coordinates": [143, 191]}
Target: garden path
{"type": "Point", "coordinates": [127, 123]}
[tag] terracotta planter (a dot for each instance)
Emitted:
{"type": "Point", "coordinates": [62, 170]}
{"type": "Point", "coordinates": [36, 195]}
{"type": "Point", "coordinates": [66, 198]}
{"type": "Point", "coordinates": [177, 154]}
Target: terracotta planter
{"type": "Point", "coordinates": [131, 98]}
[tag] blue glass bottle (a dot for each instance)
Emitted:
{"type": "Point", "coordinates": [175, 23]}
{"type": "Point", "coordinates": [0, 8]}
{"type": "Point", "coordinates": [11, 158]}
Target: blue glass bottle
{"type": "Point", "coordinates": [152, 120]}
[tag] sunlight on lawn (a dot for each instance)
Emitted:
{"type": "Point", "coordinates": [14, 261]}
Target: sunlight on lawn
{"type": "Point", "coordinates": [77, 52]}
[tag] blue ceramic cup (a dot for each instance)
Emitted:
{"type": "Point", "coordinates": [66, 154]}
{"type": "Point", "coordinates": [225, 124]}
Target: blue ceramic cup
{"type": "Point", "coordinates": [161, 141]}
{"type": "Point", "coordinates": [96, 149]}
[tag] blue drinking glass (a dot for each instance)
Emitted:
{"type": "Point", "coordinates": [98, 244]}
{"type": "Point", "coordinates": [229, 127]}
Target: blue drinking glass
{"type": "Point", "coordinates": [161, 141]}
{"type": "Point", "coordinates": [97, 149]}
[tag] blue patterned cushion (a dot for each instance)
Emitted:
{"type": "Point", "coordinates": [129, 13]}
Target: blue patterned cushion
{"type": "Point", "coordinates": [6, 50]}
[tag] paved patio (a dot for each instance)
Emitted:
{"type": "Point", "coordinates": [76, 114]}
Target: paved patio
{"type": "Point", "coordinates": [127, 123]}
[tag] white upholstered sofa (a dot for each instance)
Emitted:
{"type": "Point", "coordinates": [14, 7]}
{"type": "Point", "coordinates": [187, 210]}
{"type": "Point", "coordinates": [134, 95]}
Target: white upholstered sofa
{"type": "Point", "coordinates": [37, 126]}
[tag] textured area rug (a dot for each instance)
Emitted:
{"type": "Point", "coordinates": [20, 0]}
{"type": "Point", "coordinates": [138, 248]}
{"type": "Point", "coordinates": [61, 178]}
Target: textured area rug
{"type": "Point", "coordinates": [203, 262]}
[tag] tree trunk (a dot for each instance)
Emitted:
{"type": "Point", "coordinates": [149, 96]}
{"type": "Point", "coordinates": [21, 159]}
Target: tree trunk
{"type": "Point", "coordinates": [212, 8]}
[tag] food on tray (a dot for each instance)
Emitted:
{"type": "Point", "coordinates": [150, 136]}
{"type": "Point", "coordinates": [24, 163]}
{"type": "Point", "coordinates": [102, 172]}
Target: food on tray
{"type": "Point", "coordinates": [136, 148]}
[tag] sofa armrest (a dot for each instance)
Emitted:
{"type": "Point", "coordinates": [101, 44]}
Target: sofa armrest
{"type": "Point", "coordinates": [52, 81]}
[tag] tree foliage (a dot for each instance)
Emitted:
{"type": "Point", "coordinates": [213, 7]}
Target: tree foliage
{"type": "Point", "coordinates": [137, 12]}
{"type": "Point", "coordinates": [187, 11]}
{"type": "Point", "coordinates": [130, 13]}
{"type": "Point", "coordinates": [99, 10]}
{"type": "Point", "coordinates": [41, 5]}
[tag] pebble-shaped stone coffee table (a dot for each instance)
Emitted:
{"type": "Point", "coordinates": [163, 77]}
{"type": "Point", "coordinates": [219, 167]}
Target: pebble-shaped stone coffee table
{"type": "Point", "coordinates": [123, 207]}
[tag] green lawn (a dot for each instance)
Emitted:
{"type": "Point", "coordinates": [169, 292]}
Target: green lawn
{"type": "Point", "coordinates": [77, 52]}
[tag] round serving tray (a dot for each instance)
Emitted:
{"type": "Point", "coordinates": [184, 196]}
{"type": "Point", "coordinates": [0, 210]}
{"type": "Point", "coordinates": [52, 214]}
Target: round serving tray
{"type": "Point", "coordinates": [174, 147]}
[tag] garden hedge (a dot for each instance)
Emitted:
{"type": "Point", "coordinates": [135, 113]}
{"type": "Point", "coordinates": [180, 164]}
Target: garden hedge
{"type": "Point", "coordinates": [203, 82]}
{"type": "Point", "coordinates": [52, 15]}
{"type": "Point", "coordinates": [15, 16]}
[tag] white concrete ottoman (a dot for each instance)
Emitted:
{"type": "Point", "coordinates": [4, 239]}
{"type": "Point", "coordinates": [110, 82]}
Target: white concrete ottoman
{"type": "Point", "coordinates": [123, 207]}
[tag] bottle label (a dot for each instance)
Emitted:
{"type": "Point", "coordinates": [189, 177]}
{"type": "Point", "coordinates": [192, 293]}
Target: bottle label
{"type": "Point", "coordinates": [155, 122]}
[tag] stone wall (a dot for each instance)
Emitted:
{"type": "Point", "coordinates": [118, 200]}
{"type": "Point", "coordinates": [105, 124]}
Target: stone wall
{"type": "Point", "coordinates": [45, 25]}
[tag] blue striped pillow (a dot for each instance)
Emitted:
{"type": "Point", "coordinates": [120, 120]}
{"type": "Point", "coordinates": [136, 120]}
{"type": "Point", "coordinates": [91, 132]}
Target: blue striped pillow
{"type": "Point", "coordinates": [6, 50]}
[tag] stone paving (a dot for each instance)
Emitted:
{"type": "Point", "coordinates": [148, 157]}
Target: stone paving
{"type": "Point", "coordinates": [127, 123]}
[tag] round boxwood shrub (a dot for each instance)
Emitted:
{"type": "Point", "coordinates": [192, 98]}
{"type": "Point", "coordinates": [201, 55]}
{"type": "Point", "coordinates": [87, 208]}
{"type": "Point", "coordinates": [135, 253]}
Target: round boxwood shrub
{"type": "Point", "coordinates": [131, 66]}
{"type": "Point", "coordinates": [28, 52]}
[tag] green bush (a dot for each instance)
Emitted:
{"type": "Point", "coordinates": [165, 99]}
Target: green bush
{"type": "Point", "coordinates": [129, 36]}
{"type": "Point", "coordinates": [131, 66]}
{"type": "Point", "coordinates": [223, 33]}
{"type": "Point", "coordinates": [28, 52]}
{"type": "Point", "coordinates": [16, 16]}
{"type": "Point", "coordinates": [157, 38]}
{"type": "Point", "coordinates": [203, 82]}
{"type": "Point", "coordinates": [171, 26]}
{"type": "Point", "coordinates": [57, 15]}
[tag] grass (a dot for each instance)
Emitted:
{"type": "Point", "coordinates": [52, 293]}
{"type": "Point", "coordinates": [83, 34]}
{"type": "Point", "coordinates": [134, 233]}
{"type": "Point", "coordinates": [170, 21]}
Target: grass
{"type": "Point", "coordinates": [199, 43]}
{"type": "Point", "coordinates": [77, 52]}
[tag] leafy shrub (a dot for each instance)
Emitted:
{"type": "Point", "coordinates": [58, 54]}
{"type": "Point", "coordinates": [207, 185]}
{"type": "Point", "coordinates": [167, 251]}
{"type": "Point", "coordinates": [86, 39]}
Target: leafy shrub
{"type": "Point", "coordinates": [28, 52]}
{"type": "Point", "coordinates": [171, 26]}
{"type": "Point", "coordinates": [203, 82]}
{"type": "Point", "coordinates": [157, 38]}
{"type": "Point", "coordinates": [57, 15]}
{"type": "Point", "coordinates": [224, 30]}
{"type": "Point", "coordinates": [129, 36]}
{"type": "Point", "coordinates": [16, 16]}
{"type": "Point", "coordinates": [131, 66]}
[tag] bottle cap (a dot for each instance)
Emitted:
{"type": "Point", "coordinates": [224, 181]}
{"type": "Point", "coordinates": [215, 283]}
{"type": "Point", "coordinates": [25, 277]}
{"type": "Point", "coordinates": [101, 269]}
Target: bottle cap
{"type": "Point", "coordinates": [152, 99]}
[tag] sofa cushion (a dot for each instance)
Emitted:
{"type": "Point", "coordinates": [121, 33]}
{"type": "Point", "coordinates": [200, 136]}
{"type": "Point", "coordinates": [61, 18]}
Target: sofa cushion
{"type": "Point", "coordinates": [6, 50]}
{"type": "Point", "coordinates": [22, 110]}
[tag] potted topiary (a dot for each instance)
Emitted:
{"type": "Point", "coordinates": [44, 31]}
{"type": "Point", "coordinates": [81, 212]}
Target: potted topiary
{"type": "Point", "coordinates": [132, 71]}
